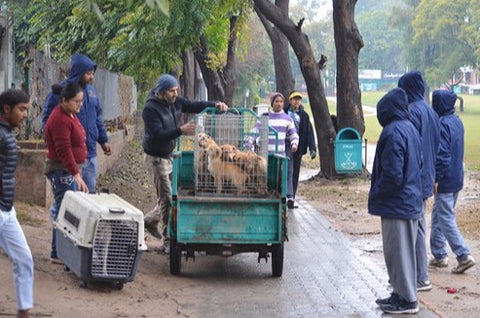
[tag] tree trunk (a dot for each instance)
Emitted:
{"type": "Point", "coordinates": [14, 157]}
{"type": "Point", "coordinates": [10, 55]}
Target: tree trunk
{"type": "Point", "coordinates": [285, 82]}
{"type": "Point", "coordinates": [221, 84]}
{"type": "Point", "coordinates": [348, 43]}
{"type": "Point", "coordinates": [187, 79]}
{"type": "Point", "coordinates": [211, 78]}
{"type": "Point", "coordinates": [311, 73]}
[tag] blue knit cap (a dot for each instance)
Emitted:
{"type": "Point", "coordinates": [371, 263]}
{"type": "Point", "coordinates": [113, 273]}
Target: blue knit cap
{"type": "Point", "coordinates": [165, 82]}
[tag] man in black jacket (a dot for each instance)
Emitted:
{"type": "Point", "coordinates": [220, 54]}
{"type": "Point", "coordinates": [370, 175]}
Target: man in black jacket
{"type": "Point", "coordinates": [161, 117]}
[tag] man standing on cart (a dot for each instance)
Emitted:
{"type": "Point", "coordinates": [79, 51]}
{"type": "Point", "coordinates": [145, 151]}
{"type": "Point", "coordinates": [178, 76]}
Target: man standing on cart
{"type": "Point", "coordinates": [161, 117]}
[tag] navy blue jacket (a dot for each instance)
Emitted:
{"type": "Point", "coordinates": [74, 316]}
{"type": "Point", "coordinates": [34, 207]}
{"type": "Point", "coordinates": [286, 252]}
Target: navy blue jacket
{"type": "Point", "coordinates": [426, 121]}
{"type": "Point", "coordinates": [449, 166]}
{"type": "Point", "coordinates": [162, 123]}
{"type": "Point", "coordinates": [91, 113]}
{"type": "Point", "coordinates": [396, 184]}
{"type": "Point", "coordinates": [306, 138]}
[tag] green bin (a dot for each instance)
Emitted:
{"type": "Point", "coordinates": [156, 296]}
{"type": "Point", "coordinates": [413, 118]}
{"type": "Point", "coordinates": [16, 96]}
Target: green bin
{"type": "Point", "coordinates": [348, 151]}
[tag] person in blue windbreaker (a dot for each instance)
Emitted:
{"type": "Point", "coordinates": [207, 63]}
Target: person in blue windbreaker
{"type": "Point", "coordinates": [426, 121]}
{"type": "Point", "coordinates": [395, 195]}
{"type": "Point", "coordinates": [448, 183]}
{"type": "Point", "coordinates": [82, 72]}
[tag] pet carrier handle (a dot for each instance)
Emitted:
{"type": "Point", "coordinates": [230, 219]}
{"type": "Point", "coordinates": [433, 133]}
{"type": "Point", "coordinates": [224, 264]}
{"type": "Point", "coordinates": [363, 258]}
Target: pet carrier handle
{"type": "Point", "coordinates": [116, 210]}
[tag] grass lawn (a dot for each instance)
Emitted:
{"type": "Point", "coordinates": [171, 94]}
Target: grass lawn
{"type": "Point", "coordinates": [470, 117]}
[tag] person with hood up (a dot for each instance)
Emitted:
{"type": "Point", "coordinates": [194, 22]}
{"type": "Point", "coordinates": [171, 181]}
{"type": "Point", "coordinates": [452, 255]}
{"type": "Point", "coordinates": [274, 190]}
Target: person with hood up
{"type": "Point", "coordinates": [395, 195]}
{"type": "Point", "coordinates": [161, 117]}
{"type": "Point", "coordinates": [448, 183]}
{"type": "Point", "coordinates": [306, 139]}
{"type": "Point", "coordinates": [82, 72]}
{"type": "Point", "coordinates": [426, 121]}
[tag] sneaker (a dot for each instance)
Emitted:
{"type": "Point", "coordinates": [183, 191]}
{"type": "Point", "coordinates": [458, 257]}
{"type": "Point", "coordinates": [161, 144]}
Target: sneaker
{"type": "Point", "coordinates": [56, 261]}
{"type": "Point", "coordinates": [290, 204]}
{"type": "Point", "coordinates": [424, 286]}
{"type": "Point", "coordinates": [384, 301]}
{"type": "Point", "coordinates": [435, 262]}
{"type": "Point", "coordinates": [464, 265]}
{"type": "Point", "coordinates": [400, 306]}
{"type": "Point", "coordinates": [152, 228]}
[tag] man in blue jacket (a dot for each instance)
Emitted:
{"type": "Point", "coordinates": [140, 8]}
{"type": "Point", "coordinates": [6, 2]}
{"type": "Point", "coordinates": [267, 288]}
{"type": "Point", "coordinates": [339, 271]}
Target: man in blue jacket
{"type": "Point", "coordinates": [426, 121]}
{"type": "Point", "coordinates": [396, 196]}
{"type": "Point", "coordinates": [82, 72]}
{"type": "Point", "coordinates": [161, 117]}
{"type": "Point", "coordinates": [449, 181]}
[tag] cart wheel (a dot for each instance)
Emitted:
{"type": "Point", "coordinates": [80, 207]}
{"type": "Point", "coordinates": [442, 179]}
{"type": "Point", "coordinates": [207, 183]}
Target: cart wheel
{"type": "Point", "coordinates": [66, 268]}
{"type": "Point", "coordinates": [277, 260]}
{"type": "Point", "coordinates": [83, 284]}
{"type": "Point", "coordinates": [118, 285]}
{"type": "Point", "coordinates": [175, 257]}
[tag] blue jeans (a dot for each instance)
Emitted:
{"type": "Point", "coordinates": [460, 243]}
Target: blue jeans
{"type": "Point", "coordinates": [60, 181]}
{"type": "Point", "coordinates": [13, 242]}
{"type": "Point", "coordinates": [445, 229]}
{"type": "Point", "coordinates": [89, 173]}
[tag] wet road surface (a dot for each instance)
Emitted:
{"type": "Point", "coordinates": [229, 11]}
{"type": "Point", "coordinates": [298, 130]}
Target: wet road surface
{"type": "Point", "coordinates": [324, 276]}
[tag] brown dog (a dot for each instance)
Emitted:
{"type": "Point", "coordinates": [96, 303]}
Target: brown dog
{"type": "Point", "coordinates": [256, 168]}
{"type": "Point", "coordinates": [224, 171]}
{"type": "Point", "coordinates": [204, 179]}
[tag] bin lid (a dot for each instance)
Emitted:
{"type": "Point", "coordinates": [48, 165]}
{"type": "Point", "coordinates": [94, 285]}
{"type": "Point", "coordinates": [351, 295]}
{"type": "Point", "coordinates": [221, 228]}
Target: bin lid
{"type": "Point", "coordinates": [348, 133]}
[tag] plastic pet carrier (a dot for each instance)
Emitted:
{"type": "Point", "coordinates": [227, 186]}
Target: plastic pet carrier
{"type": "Point", "coordinates": [100, 237]}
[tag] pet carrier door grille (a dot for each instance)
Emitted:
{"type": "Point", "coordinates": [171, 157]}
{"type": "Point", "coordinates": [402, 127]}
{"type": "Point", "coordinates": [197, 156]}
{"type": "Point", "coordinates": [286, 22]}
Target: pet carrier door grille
{"type": "Point", "coordinates": [114, 248]}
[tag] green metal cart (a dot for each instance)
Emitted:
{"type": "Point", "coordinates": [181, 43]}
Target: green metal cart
{"type": "Point", "coordinates": [227, 223]}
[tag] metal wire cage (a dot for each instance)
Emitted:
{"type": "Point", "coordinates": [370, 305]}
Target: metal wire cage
{"type": "Point", "coordinates": [231, 154]}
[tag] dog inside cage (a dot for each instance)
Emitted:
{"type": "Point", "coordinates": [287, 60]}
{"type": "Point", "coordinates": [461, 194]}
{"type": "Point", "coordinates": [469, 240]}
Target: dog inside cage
{"type": "Point", "coordinates": [230, 153]}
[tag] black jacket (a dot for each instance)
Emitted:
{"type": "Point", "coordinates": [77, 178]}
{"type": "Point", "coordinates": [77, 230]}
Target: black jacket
{"type": "Point", "coordinates": [306, 138]}
{"type": "Point", "coordinates": [162, 123]}
{"type": "Point", "coordinates": [8, 163]}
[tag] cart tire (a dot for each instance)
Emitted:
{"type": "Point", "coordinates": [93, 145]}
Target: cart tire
{"type": "Point", "coordinates": [83, 284]}
{"type": "Point", "coordinates": [175, 257]}
{"type": "Point", "coordinates": [118, 285]}
{"type": "Point", "coordinates": [277, 260]}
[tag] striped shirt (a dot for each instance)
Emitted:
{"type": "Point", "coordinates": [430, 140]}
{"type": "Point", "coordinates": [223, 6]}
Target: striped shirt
{"type": "Point", "coordinates": [285, 128]}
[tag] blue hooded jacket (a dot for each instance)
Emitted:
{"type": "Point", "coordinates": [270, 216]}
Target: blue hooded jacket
{"type": "Point", "coordinates": [396, 183]}
{"type": "Point", "coordinates": [91, 113]}
{"type": "Point", "coordinates": [449, 166]}
{"type": "Point", "coordinates": [426, 121]}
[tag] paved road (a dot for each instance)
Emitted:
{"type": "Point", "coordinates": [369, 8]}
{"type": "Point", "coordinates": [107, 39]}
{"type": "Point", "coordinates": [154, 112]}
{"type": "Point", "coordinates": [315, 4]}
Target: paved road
{"type": "Point", "coordinates": [324, 276]}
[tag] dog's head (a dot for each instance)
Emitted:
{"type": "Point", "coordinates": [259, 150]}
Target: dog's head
{"type": "Point", "coordinates": [228, 152]}
{"type": "Point", "coordinates": [214, 151]}
{"type": "Point", "coordinates": [204, 140]}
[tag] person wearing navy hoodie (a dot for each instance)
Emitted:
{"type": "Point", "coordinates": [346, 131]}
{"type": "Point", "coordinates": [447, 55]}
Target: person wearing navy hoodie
{"type": "Point", "coordinates": [395, 195]}
{"type": "Point", "coordinates": [448, 183]}
{"type": "Point", "coordinates": [161, 117]}
{"type": "Point", "coordinates": [82, 72]}
{"type": "Point", "coordinates": [426, 121]}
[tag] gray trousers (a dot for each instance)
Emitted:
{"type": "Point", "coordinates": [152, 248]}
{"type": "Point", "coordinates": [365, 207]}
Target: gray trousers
{"type": "Point", "coordinates": [161, 170]}
{"type": "Point", "coordinates": [399, 238]}
{"type": "Point", "coordinates": [421, 247]}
